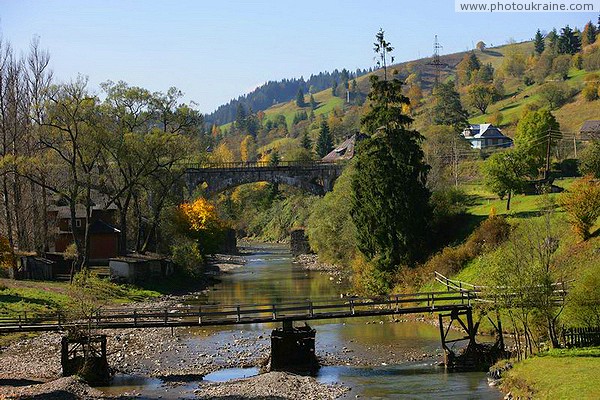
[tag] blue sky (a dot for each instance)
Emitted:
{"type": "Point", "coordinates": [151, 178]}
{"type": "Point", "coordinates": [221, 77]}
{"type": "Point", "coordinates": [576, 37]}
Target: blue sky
{"type": "Point", "coordinates": [216, 50]}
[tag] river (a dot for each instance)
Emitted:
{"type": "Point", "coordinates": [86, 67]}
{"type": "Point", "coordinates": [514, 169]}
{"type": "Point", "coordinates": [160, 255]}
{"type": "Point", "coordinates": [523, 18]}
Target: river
{"type": "Point", "coordinates": [376, 357]}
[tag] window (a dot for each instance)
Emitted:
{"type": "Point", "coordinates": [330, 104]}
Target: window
{"type": "Point", "coordinates": [78, 223]}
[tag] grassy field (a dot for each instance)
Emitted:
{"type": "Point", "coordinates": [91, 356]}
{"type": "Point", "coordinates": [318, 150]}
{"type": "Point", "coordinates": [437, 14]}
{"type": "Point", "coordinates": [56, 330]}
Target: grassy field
{"type": "Point", "coordinates": [42, 296]}
{"type": "Point", "coordinates": [557, 374]}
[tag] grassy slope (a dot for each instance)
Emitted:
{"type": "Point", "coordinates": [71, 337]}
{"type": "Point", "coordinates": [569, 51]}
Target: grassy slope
{"type": "Point", "coordinates": [570, 116]}
{"type": "Point", "coordinates": [558, 374]}
{"type": "Point", "coordinates": [522, 208]}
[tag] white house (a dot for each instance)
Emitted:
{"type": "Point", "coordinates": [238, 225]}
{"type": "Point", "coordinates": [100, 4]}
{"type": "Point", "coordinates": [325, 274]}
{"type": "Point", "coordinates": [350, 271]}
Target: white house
{"type": "Point", "coordinates": [482, 136]}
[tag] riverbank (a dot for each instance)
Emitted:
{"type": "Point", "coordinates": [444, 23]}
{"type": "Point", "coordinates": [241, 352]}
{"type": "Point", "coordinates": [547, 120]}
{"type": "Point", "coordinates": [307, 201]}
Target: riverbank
{"type": "Point", "coordinates": [556, 374]}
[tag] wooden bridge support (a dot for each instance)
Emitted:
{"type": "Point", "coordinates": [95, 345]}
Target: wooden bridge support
{"type": "Point", "coordinates": [475, 356]}
{"type": "Point", "coordinates": [85, 356]}
{"type": "Point", "coordinates": [293, 349]}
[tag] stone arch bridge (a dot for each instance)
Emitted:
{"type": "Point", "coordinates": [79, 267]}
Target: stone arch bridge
{"type": "Point", "coordinates": [316, 177]}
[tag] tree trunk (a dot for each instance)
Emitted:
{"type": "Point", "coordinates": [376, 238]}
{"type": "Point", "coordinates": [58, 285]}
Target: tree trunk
{"type": "Point", "coordinates": [508, 200]}
{"type": "Point", "coordinates": [7, 213]}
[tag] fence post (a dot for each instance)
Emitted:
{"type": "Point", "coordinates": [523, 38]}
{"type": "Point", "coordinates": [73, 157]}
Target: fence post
{"type": "Point", "coordinates": [352, 306]}
{"type": "Point", "coordinates": [274, 312]}
{"type": "Point", "coordinates": [199, 315]}
{"type": "Point", "coordinates": [239, 317]}
{"type": "Point", "coordinates": [166, 316]}
{"type": "Point", "coordinates": [134, 317]}
{"type": "Point", "coordinates": [310, 309]}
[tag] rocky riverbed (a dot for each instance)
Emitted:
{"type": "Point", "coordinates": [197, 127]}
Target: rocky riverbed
{"type": "Point", "coordinates": [183, 355]}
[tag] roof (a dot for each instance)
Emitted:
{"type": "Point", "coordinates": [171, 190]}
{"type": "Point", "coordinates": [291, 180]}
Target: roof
{"type": "Point", "coordinates": [99, 226]}
{"type": "Point", "coordinates": [99, 202]}
{"type": "Point", "coordinates": [591, 126]}
{"type": "Point", "coordinates": [487, 131]}
{"type": "Point", "coordinates": [345, 150]}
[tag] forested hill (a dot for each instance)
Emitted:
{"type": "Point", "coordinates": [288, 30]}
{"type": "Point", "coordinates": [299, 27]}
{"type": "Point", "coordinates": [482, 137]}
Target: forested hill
{"type": "Point", "coordinates": [274, 92]}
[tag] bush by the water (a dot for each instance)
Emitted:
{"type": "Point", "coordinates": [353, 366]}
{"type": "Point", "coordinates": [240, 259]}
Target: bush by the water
{"type": "Point", "coordinates": [330, 229]}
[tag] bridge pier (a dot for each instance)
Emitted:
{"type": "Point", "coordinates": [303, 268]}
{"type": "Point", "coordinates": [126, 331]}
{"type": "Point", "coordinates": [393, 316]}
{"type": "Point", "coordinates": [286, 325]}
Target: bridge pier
{"type": "Point", "coordinates": [85, 356]}
{"type": "Point", "coordinates": [293, 348]}
{"type": "Point", "coordinates": [475, 356]}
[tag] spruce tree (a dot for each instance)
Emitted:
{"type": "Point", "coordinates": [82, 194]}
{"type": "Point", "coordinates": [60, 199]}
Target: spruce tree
{"type": "Point", "coordinates": [313, 102]}
{"type": "Point", "coordinates": [306, 142]}
{"type": "Point", "coordinates": [324, 141]}
{"type": "Point", "coordinates": [539, 43]}
{"type": "Point", "coordinates": [390, 202]}
{"type": "Point", "coordinates": [447, 108]}
{"type": "Point", "coordinates": [300, 98]}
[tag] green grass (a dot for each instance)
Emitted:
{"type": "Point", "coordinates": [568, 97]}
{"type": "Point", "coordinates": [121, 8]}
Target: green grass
{"type": "Point", "coordinates": [326, 103]}
{"type": "Point", "coordinates": [570, 116]}
{"type": "Point", "coordinates": [39, 296]}
{"type": "Point", "coordinates": [557, 374]}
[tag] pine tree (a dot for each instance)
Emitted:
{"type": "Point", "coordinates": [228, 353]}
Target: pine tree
{"type": "Point", "coordinates": [589, 34]}
{"type": "Point", "coordinates": [552, 41]}
{"type": "Point", "coordinates": [324, 141]}
{"type": "Point", "coordinates": [240, 117]}
{"type": "Point", "coordinates": [306, 142]}
{"type": "Point", "coordinates": [568, 42]}
{"type": "Point", "coordinates": [447, 108]}
{"type": "Point", "coordinates": [390, 203]}
{"type": "Point", "coordinates": [313, 103]}
{"type": "Point", "coordinates": [539, 43]}
{"type": "Point", "coordinates": [334, 86]}
{"type": "Point", "coordinates": [300, 98]}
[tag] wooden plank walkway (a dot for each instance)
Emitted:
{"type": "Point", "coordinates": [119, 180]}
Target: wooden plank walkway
{"type": "Point", "coordinates": [216, 314]}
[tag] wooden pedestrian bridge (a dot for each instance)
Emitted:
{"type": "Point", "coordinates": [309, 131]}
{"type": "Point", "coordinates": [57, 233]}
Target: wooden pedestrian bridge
{"type": "Point", "coordinates": [240, 314]}
{"type": "Point", "coordinates": [289, 345]}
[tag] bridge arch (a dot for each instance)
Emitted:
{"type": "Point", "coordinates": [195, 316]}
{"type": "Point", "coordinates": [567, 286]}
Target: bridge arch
{"type": "Point", "coordinates": [314, 177]}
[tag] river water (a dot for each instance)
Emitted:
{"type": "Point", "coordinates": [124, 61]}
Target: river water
{"type": "Point", "coordinates": [270, 276]}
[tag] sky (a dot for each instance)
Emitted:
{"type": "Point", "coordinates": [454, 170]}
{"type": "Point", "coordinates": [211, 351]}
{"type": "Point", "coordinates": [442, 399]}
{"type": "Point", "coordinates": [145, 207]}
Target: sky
{"type": "Point", "coordinates": [217, 50]}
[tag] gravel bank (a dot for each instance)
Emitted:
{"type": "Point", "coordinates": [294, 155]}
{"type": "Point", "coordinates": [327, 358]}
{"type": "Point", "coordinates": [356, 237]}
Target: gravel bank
{"type": "Point", "coordinates": [59, 389]}
{"type": "Point", "coordinates": [272, 385]}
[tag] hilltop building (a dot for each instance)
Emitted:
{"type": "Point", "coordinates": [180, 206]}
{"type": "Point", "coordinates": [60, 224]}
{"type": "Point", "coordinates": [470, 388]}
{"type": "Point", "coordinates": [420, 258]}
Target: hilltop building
{"type": "Point", "coordinates": [482, 136]}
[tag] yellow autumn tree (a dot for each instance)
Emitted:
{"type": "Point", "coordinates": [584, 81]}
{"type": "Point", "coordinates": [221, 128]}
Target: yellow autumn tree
{"type": "Point", "coordinates": [582, 205]}
{"type": "Point", "coordinates": [6, 255]}
{"type": "Point", "coordinates": [200, 222]}
{"type": "Point", "coordinates": [222, 154]}
{"type": "Point", "coordinates": [248, 149]}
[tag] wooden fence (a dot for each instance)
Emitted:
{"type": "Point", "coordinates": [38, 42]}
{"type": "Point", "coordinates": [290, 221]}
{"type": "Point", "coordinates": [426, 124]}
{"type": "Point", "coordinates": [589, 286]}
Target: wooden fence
{"type": "Point", "coordinates": [581, 337]}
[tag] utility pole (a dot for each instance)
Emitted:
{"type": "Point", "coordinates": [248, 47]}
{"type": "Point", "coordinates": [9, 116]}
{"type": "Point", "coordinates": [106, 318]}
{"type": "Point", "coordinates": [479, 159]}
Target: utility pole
{"type": "Point", "coordinates": [547, 171]}
{"type": "Point", "coordinates": [575, 146]}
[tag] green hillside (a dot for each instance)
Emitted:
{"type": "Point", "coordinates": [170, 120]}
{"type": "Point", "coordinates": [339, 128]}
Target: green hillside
{"type": "Point", "coordinates": [517, 96]}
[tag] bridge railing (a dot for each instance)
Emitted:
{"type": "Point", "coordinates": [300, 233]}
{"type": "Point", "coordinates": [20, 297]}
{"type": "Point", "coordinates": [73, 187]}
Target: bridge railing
{"type": "Point", "coordinates": [491, 294]}
{"type": "Point", "coordinates": [261, 164]}
{"type": "Point", "coordinates": [217, 314]}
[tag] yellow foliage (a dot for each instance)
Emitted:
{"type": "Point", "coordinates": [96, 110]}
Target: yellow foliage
{"type": "Point", "coordinates": [221, 154]}
{"type": "Point", "coordinates": [582, 204]}
{"type": "Point", "coordinates": [248, 148]}
{"type": "Point", "coordinates": [200, 215]}
{"type": "Point", "coordinates": [6, 253]}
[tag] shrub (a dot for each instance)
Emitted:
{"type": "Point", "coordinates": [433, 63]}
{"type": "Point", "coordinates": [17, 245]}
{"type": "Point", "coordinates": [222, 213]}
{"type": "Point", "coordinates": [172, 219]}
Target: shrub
{"type": "Point", "coordinates": [589, 163]}
{"type": "Point", "coordinates": [488, 235]}
{"type": "Point", "coordinates": [187, 256]}
{"type": "Point", "coordinates": [449, 201]}
{"type": "Point", "coordinates": [582, 204]}
{"type": "Point", "coordinates": [583, 305]}
{"type": "Point", "coordinates": [568, 167]}
{"type": "Point", "coordinates": [368, 278]}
